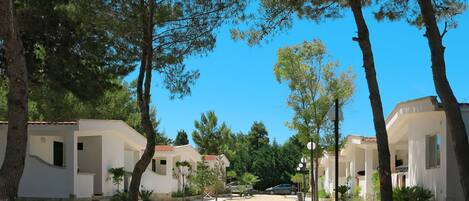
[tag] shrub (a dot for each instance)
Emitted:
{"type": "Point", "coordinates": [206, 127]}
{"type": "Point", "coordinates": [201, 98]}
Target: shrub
{"type": "Point", "coordinates": [342, 189]}
{"type": "Point", "coordinates": [117, 175]}
{"type": "Point", "coordinates": [415, 193]}
{"type": "Point", "coordinates": [323, 194]}
{"type": "Point", "coordinates": [188, 192]}
{"type": "Point", "coordinates": [120, 196]}
{"type": "Point", "coordinates": [145, 195]}
{"type": "Point", "coordinates": [356, 193]}
{"type": "Point", "coordinates": [376, 185]}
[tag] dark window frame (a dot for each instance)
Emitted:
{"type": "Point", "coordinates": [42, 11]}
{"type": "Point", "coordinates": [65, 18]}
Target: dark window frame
{"type": "Point", "coordinates": [80, 146]}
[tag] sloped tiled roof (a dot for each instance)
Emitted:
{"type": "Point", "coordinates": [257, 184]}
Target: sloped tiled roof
{"type": "Point", "coordinates": [164, 148]}
{"type": "Point", "coordinates": [364, 139]}
{"type": "Point", "coordinates": [210, 157]}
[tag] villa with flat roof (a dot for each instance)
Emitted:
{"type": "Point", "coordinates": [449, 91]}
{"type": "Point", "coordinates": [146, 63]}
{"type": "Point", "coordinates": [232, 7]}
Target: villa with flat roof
{"type": "Point", "coordinates": [74, 159]}
{"type": "Point", "coordinates": [420, 148]}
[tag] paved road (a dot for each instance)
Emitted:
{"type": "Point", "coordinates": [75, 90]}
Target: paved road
{"type": "Point", "coordinates": [262, 198]}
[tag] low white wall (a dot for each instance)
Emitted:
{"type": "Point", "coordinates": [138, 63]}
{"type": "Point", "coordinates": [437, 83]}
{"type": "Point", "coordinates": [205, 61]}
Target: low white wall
{"type": "Point", "coordinates": [42, 180]}
{"type": "Point", "coordinates": [160, 184]}
{"type": "Point", "coordinates": [84, 185]}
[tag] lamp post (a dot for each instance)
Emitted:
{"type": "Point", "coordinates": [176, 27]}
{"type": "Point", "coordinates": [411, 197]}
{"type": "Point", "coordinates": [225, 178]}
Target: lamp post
{"type": "Point", "coordinates": [311, 146]}
{"type": "Point", "coordinates": [335, 115]}
{"type": "Point", "coordinates": [302, 169]}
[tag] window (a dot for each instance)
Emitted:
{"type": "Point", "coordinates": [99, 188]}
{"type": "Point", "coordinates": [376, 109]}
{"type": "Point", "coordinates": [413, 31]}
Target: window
{"type": "Point", "coordinates": [80, 146]}
{"type": "Point", "coordinates": [153, 165]}
{"type": "Point", "coordinates": [433, 146]}
{"type": "Point", "coordinates": [162, 162]}
{"type": "Point", "coordinates": [58, 153]}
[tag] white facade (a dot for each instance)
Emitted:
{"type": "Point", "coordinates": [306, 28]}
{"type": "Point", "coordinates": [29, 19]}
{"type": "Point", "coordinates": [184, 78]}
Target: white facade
{"type": "Point", "coordinates": [420, 149]}
{"type": "Point", "coordinates": [74, 159]}
{"type": "Point", "coordinates": [358, 160]}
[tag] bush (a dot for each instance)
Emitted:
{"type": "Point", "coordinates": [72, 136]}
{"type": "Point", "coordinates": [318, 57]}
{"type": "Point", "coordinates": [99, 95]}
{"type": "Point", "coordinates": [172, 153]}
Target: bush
{"type": "Point", "coordinates": [323, 194]}
{"type": "Point", "coordinates": [415, 193]}
{"type": "Point", "coordinates": [342, 189]}
{"type": "Point", "coordinates": [120, 196]}
{"type": "Point", "coordinates": [356, 193]}
{"type": "Point", "coordinates": [145, 195]}
{"type": "Point", "coordinates": [179, 194]}
{"type": "Point", "coordinates": [117, 175]}
{"type": "Point", "coordinates": [376, 186]}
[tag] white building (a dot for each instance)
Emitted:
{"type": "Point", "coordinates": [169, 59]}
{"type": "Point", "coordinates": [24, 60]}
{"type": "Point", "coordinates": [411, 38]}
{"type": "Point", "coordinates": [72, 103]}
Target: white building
{"type": "Point", "coordinates": [72, 159]}
{"type": "Point", "coordinates": [420, 148]}
{"type": "Point", "coordinates": [357, 158]}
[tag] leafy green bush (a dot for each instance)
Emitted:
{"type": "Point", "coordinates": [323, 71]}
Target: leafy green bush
{"type": "Point", "coordinates": [376, 185]}
{"type": "Point", "coordinates": [145, 195]}
{"type": "Point", "coordinates": [120, 196]}
{"type": "Point", "coordinates": [415, 193]}
{"type": "Point", "coordinates": [323, 194]}
{"type": "Point", "coordinates": [188, 192]}
{"type": "Point", "coordinates": [356, 193]}
{"type": "Point", "coordinates": [342, 189]}
{"type": "Point", "coordinates": [117, 175]}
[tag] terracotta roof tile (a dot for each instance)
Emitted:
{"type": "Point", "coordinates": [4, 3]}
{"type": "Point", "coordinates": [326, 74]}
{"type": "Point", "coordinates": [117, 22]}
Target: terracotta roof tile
{"type": "Point", "coordinates": [369, 139]}
{"type": "Point", "coordinates": [164, 148]}
{"type": "Point", "coordinates": [210, 157]}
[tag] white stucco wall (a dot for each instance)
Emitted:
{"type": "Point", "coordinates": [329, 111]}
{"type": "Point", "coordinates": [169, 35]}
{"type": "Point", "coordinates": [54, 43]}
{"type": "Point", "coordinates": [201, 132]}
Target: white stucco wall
{"type": "Point", "coordinates": [454, 187]}
{"type": "Point", "coordinates": [420, 126]}
{"type": "Point", "coordinates": [161, 184]}
{"type": "Point", "coordinates": [130, 159]}
{"type": "Point", "coordinates": [41, 179]}
{"type": "Point", "coordinates": [112, 157]}
{"type": "Point", "coordinates": [85, 185]}
{"type": "Point", "coordinates": [43, 147]}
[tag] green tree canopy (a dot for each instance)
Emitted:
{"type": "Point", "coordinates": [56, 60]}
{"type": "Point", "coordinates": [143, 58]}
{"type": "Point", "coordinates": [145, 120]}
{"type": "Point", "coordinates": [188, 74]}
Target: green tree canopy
{"type": "Point", "coordinates": [181, 138]}
{"type": "Point", "coordinates": [258, 135]}
{"type": "Point", "coordinates": [209, 136]}
{"type": "Point", "coordinates": [314, 84]}
{"type": "Point", "coordinates": [117, 102]}
{"type": "Point", "coordinates": [68, 48]}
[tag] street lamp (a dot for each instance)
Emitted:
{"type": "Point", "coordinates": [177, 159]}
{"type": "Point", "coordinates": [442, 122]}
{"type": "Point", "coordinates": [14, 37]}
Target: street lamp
{"type": "Point", "coordinates": [334, 114]}
{"type": "Point", "coordinates": [311, 146]}
{"type": "Point", "coordinates": [302, 169]}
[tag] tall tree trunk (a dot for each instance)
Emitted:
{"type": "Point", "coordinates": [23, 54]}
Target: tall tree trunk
{"type": "Point", "coordinates": [316, 177]}
{"type": "Point", "coordinates": [143, 97]}
{"type": "Point", "coordinates": [363, 40]}
{"type": "Point", "coordinates": [450, 104]}
{"type": "Point", "coordinates": [17, 136]}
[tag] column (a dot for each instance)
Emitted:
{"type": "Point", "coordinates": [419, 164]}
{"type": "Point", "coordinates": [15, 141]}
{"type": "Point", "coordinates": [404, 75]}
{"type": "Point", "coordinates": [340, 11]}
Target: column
{"type": "Point", "coordinates": [353, 167]}
{"type": "Point", "coordinates": [392, 152]}
{"type": "Point", "coordinates": [368, 171]}
{"type": "Point", "coordinates": [71, 161]}
{"type": "Point", "coordinates": [347, 170]}
{"type": "Point", "coordinates": [169, 166]}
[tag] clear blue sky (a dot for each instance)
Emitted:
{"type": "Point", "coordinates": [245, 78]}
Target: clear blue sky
{"type": "Point", "coordinates": [238, 83]}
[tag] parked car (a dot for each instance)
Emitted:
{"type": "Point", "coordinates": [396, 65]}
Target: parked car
{"type": "Point", "coordinates": [238, 188]}
{"type": "Point", "coordinates": [286, 189]}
